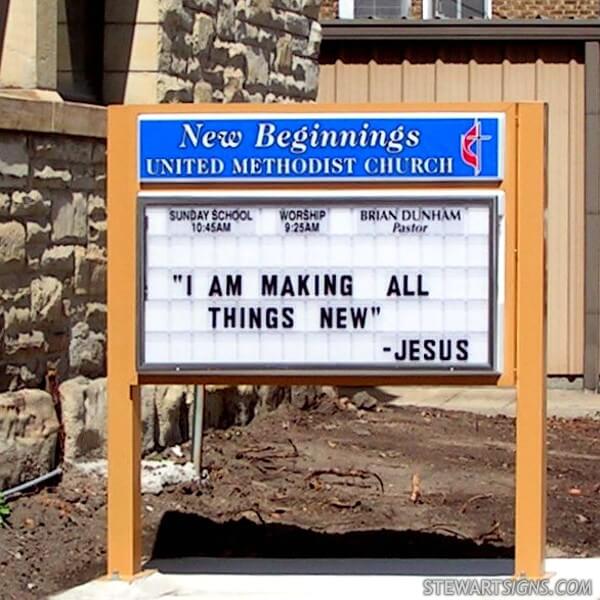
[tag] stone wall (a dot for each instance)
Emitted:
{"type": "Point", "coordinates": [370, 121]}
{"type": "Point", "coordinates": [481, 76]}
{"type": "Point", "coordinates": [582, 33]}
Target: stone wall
{"type": "Point", "coordinates": [506, 9]}
{"type": "Point", "coordinates": [238, 50]}
{"type": "Point", "coordinates": [52, 257]}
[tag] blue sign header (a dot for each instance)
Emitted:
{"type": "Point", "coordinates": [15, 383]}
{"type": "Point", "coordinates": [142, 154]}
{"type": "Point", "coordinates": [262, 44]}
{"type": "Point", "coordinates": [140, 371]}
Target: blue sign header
{"type": "Point", "coordinates": [321, 147]}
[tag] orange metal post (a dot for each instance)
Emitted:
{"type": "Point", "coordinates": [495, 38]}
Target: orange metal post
{"type": "Point", "coordinates": [530, 504]}
{"type": "Point", "coordinates": [124, 424]}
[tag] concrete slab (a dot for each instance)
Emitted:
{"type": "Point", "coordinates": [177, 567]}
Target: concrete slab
{"type": "Point", "coordinates": [254, 579]}
{"type": "Point", "coordinates": [490, 401]}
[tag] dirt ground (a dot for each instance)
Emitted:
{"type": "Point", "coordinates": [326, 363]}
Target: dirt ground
{"type": "Point", "coordinates": [320, 483]}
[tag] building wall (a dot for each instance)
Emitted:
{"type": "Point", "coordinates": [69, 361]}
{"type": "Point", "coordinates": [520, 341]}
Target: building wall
{"type": "Point", "coordinates": [210, 51]}
{"type": "Point", "coordinates": [393, 72]}
{"type": "Point", "coordinates": [549, 9]}
{"type": "Point", "coordinates": [507, 9]}
{"type": "Point", "coordinates": [237, 51]}
{"type": "Point", "coordinates": [52, 242]}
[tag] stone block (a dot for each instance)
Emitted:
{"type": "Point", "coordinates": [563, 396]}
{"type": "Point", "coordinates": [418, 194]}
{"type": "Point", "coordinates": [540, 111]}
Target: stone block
{"type": "Point", "coordinates": [178, 66]}
{"type": "Point", "coordinates": [364, 401]}
{"type": "Point", "coordinates": [37, 234]}
{"type": "Point", "coordinates": [174, 89]}
{"type": "Point", "coordinates": [174, 16]}
{"type": "Point", "coordinates": [306, 73]}
{"type": "Point", "coordinates": [57, 341]}
{"type": "Point", "coordinates": [257, 67]}
{"type": "Point", "coordinates": [283, 54]}
{"type": "Point", "coordinates": [296, 24]}
{"type": "Point", "coordinates": [99, 153]}
{"type": "Point", "coordinates": [203, 33]}
{"type": "Point", "coordinates": [84, 408]}
{"type": "Point", "coordinates": [294, 5]}
{"type": "Point", "coordinates": [69, 218]}
{"type": "Point", "coordinates": [202, 92]}
{"type": "Point", "coordinates": [281, 84]}
{"type": "Point", "coordinates": [97, 233]}
{"type": "Point", "coordinates": [214, 77]}
{"type": "Point", "coordinates": [25, 343]}
{"type": "Point", "coordinates": [62, 148]}
{"type": "Point", "coordinates": [83, 177]}
{"type": "Point", "coordinates": [12, 246]}
{"type": "Point", "coordinates": [171, 412]}
{"type": "Point", "coordinates": [28, 436]}
{"type": "Point", "coordinates": [29, 204]}
{"type": "Point", "coordinates": [234, 83]}
{"type": "Point", "coordinates": [194, 69]}
{"type": "Point", "coordinates": [313, 46]}
{"type": "Point", "coordinates": [230, 405]}
{"type": "Point", "coordinates": [311, 8]}
{"type": "Point", "coordinates": [14, 160]}
{"type": "Point", "coordinates": [15, 291]}
{"type": "Point", "coordinates": [87, 351]}
{"type": "Point", "coordinates": [51, 176]}
{"type": "Point", "coordinates": [95, 316]}
{"type": "Point", "coordinates": [96, 207]}
{"type": "Point", "coordinates": [306, 397]}
{"type": "Point", "coordinates": [4, 204]}
{"type": "Point", "coordinates": [24, 375]}
{"type": "Point", "coordinates": [59, 260]}
{"type": "Point", "coordinates": [17, 320]}
{"type": "Point", "coordinates": [100, 182]}
{"type": "Point", "coordinates": [46, 300]}
{"type": "Point", "coordinates": [231, 54]}
{"type": "Point", "coordinates": [90, 271]}
{"type": "Point", "coordinates": [226, 20]}
{"type": "Point", "coordinates": [207, 6]}
{"type": "Point", "coordinates": [148, 410]}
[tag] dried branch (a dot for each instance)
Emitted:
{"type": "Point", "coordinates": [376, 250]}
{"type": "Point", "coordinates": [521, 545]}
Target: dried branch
{"type": "Point", "coordinates": [494, 534]}
{"type": "Point", "coordinates": [359, 473]}
{"type": "Point", "coordinates": [474, 499]}
{"type": "Point", "coordinates": [255, 453]}
{"type": "Point", "coordinates": [447, 528]}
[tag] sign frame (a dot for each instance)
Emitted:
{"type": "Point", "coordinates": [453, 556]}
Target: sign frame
{"type": "Point", "coordinates": [524, 356]}
{"type": "Point", "coordinates": [491, 198]}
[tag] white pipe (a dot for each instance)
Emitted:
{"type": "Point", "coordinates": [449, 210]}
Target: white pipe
{"type": "Point", "coordinates": [25, 486]}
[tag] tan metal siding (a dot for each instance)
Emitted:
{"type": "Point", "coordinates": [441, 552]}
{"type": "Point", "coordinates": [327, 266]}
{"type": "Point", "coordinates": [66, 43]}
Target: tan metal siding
{"type": "Point", "coordinates": [495, 72]}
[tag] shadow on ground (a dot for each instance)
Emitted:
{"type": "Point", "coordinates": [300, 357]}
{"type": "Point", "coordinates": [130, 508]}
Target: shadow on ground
{"type": "Point", "coordinates": [272, 545]}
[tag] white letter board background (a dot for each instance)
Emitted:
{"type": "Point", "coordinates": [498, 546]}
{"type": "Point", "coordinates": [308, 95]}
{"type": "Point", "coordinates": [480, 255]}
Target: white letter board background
{"type": "Point", "coordinates": [452, 256]}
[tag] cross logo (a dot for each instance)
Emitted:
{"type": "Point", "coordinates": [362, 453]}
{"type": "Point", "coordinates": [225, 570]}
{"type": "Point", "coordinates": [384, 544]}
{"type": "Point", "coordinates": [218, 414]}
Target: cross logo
{"type": "Point", "coordinates": [470, 146]}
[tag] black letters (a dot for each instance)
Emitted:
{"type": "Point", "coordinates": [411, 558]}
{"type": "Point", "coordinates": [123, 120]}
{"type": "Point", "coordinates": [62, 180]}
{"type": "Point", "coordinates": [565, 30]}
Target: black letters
{"type": "Point", "coordinates": [462, 347]}
{"type": "Point", "coordinates": [233, 286]}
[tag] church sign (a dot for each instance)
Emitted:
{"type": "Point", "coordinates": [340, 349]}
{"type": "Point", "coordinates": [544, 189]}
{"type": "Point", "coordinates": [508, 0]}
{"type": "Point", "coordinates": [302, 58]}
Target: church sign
{"type": "Point", "coordinates": [326, 244]}
{"type": "Point", "coordinates": [350, 147]}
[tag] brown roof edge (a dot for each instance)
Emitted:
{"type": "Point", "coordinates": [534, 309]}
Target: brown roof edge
{"type": "Point", "coordinates": [454, 29]}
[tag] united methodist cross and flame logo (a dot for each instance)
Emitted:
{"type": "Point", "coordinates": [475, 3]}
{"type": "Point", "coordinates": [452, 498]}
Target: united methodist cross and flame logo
{"type": "Point", "coordinates": [471, 146]}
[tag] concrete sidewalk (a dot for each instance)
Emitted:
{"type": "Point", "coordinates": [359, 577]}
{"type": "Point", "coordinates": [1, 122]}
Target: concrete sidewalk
{"type": "Point", "coordinates": [254, 579]}
{"type": "Point", "coordinates": [490, 401]}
